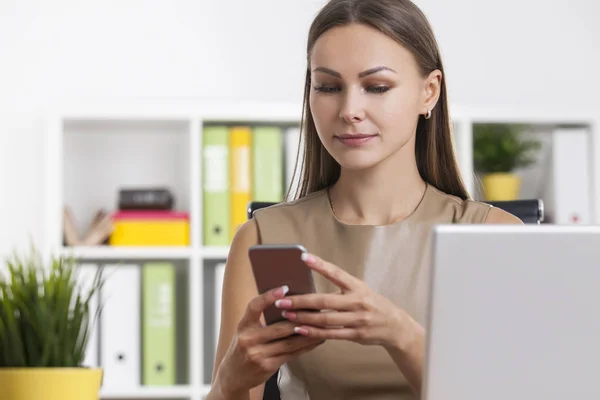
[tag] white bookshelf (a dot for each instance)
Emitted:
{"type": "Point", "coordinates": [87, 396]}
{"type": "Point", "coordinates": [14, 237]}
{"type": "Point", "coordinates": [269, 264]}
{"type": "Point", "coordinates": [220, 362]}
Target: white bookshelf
{"type": "Point", "coordinates": [108, 253]}
{"type": "Point", "coordinates": [213, 253]}
{"type": "Point", "coordinates": [143, 393]}
{"type": "Point", "coordinates": [161, 144]}
{"type": "Point", "coordinates": [147, 145]}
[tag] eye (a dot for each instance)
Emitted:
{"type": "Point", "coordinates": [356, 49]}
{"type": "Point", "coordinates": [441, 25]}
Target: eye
{"type": "Point", "coordinates": [326, 89]}
{"type": "Point", "coordinates": [378, 89]}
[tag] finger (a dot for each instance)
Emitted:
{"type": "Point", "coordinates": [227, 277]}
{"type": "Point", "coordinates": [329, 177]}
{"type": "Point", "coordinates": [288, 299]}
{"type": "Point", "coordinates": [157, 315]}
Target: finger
{"type": "Point", "coordinates": [326, 319]}
{"type": "Point", "coordinates": [325, 334]}
{"type": "Point", "coordinates": [257, 305]}
{"type": "Point", "coordinates": [318, 301]}
{"type": "Point", "coordinates": [278, 330]}
{"type": "Point", "coordinates": [335, 274]}
{"type": "Point", "coordinates": [279, 360]}
{"type": "Point", "coordinates": [289, 345]}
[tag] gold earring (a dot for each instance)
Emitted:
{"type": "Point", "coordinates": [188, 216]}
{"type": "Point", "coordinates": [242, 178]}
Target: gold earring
{"type": "Point", "coordinates": [428, 115]}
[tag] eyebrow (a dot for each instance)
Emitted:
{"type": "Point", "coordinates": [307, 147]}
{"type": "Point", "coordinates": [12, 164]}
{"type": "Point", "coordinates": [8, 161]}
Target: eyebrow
{"type": "Point", "coordinates": [360, 75]}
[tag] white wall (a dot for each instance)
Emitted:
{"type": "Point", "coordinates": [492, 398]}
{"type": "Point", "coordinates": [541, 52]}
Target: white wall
{"type": "Point", "coordinates": [529, 53]}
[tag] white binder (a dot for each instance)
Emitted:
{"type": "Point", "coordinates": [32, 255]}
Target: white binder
{"type": "Point", "coordinates": [120, 329]}
{"type": "Point", "coordinates": [85, 278]}
{"type": "Point", "coordinates": [571, 176]}
{"type": "Point", "coordinates": [219, 276]}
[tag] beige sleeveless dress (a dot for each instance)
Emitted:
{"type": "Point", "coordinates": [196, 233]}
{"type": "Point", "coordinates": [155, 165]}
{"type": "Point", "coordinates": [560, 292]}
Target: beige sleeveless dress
{"type": "Point", "coordinates": [393, 260]}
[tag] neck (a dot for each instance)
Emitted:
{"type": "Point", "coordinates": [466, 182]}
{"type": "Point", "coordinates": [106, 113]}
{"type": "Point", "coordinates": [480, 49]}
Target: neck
{"type": "Point", "coordinates": [381, 195]}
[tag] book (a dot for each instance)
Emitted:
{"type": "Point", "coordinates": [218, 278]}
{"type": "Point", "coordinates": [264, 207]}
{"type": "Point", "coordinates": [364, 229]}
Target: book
{"type": "Point", "coordinates": [158, 324]}
{"type": "Point", "coordinates": [267, 164]}
{"type": "Point", "coordinates": [216, 212]}
{"type": "Point", "coordinates": [240, 175]}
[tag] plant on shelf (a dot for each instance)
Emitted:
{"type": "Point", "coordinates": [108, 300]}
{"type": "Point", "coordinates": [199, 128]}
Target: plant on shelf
{"type": "Point", "coordinates": [499, 149]}
{"type": "Point", "coordinates": [45, 325]}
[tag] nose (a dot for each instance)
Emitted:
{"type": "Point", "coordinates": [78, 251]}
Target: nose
{"type": "Point", "coordinates": [352, 109]}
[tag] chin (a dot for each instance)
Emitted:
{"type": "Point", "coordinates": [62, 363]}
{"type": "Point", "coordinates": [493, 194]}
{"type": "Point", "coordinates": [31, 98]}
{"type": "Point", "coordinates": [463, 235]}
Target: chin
{"type": "Point", "coordinates": [357, 161]}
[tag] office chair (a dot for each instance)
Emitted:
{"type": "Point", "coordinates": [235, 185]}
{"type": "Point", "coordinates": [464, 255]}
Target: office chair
{"type": "Point", "coordinates": [530, 211]}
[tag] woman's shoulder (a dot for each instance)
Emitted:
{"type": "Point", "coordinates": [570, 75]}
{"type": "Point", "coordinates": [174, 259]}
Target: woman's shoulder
{"type": "Point", "coordinates": [445, 206]}
{"type": "Point", "coordinates": [471, 210]}
{"type": "Point", "coordinates": [297, 209]}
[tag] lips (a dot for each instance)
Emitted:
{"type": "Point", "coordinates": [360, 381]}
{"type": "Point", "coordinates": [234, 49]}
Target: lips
{"type": "Point", "coordinates": [355, 139]}
{"type": "Point", "coordinates": [355, 135]}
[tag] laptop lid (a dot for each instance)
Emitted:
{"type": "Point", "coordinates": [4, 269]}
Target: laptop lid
{"type": "Point", "coordinates": [514, 313]}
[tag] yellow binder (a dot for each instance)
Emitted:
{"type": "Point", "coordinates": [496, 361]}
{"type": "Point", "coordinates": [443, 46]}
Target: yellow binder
{"type": "Point", "coordinates": [241, 173]}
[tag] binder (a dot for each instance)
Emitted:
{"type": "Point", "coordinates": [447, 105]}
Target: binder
{"type": "Point", "coordinates": [86, 273]}
{"type": "Point", "coordinates": [215, 184]}
{"type": "Point", "coordinates": [240, 175]}
{"type": "Point", "coordinates": [120, 327]}
{"type": "Point", "coordinates": [267, 164]}
{"type": "Point", "coordinates": [219, 277]}
{"type": "Point", "coordinates": [293, 159]}
{"type": "Point", "coordinates": [571, 176]}
{"type": "Point", "coordinates": [158, 321]}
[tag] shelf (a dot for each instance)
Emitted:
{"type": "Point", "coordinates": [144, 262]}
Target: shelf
{"type": "Point", "coordinates": [131, 144]}
{"type": "Point", "coordinates": [171, 392]}
{"type": "Point", "coordinates": [522, 115]}
{"type": "Point", "coordinates": [116, 253]}
{"type": "Point", "coordinates": [204, 390]}
{"type": "Point", "coordinates": [143, 253]}
{"type": "Point", "coordinates": [213, 111]}
{"type": "Point", "coordinates": [215, 253]}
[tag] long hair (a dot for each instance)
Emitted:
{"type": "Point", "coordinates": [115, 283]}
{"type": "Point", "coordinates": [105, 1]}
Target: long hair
{"type": "Point", "coordinates": [404, 22]}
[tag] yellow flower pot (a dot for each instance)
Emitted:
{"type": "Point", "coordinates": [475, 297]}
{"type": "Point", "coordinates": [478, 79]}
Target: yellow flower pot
{"type": "Point", "coordinates": [50, 383]}
{"type": "Point", "coordinates": [501, 186]}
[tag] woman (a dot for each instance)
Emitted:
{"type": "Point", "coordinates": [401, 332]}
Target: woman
{"type": "Point", "coordinates": [379, 172]}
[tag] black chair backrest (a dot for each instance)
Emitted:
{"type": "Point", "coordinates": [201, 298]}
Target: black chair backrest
{"type": "Point", "coordinates": [530, 211]}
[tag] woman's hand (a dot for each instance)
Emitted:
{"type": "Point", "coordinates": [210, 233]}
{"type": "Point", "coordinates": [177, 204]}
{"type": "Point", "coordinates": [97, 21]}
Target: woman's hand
{"type": "Point", "coordinates": [257, 351]}
{"type": "Point", "coordinates": [356, 313]}
{"type": "Point", "coordinates": [360, 315]}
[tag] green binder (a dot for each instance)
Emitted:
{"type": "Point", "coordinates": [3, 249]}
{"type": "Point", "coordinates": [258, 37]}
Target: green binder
{"type": "Point", "coordinates": [267, 163]}
{"type": "Point", "coordinates": [158, 323]}
{"type": "Point", "coordinates": [215, 186]}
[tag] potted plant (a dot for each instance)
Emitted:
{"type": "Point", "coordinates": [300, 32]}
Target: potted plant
{"type": "Point", "coordinates": [498, 149]}
{"type": "Point", "coordinates": [45, 323]}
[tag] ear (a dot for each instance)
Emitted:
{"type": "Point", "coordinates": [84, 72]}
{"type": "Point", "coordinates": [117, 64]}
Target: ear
{"type": "Point", "coordinates": [431, 90]}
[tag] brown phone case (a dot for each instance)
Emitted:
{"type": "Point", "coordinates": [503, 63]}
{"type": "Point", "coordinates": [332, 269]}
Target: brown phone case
{"type": "Point", "coordinates": [278, 265]}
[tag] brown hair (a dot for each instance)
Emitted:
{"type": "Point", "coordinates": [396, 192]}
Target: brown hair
{"type": "Point", "coordinates": [403, 21]}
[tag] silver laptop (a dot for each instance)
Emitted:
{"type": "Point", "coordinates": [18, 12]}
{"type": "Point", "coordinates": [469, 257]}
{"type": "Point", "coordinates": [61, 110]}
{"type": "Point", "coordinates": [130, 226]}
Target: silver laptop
{"type": "Point", "coordinates": [514, 313]}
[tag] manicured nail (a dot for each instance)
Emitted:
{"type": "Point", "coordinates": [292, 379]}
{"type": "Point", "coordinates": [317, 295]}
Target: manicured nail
{"type": "Point", "coordinates": [281, 291]}
{"type": "Point", "coordinates": [301, 331]}
{"type": "Point", "coordinates": [289, 315]}
{"type": "Point", "coordinates": [309, 258]}
{"type": "Point", "coordinates": [283, 303]}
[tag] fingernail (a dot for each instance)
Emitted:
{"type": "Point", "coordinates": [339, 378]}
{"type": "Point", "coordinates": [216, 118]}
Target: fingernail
{"type": "Point", "coordinates": [283, 303]}
{"type": "Point", "coordinates": [281, 291]}
{"type": "Point", "coordinates": [309, 258]}
{"type": "Point", "coordinates": [288, 315]}
{"type": "Point", "coordinates": [301, 331]}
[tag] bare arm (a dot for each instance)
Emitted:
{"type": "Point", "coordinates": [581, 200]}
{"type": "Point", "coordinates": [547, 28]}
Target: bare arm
{"type": "Point", "coordinates": [408, 352]}
{"type": "Point", "coordinates": [238, 290]}
{"type": "Point", "coordinates": [249, 352]}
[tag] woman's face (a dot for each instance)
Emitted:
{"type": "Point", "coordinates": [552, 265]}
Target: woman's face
{"type": "Point", "coordinates": [366, 95]}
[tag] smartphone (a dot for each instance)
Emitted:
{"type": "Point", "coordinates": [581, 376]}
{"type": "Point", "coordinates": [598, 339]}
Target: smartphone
{"type": "Point", "coordinates": [276, 265]}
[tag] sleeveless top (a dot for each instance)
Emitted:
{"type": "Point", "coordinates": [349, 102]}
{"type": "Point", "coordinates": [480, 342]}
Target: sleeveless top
{"type": "Point", "coordinates": [394, 260]}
